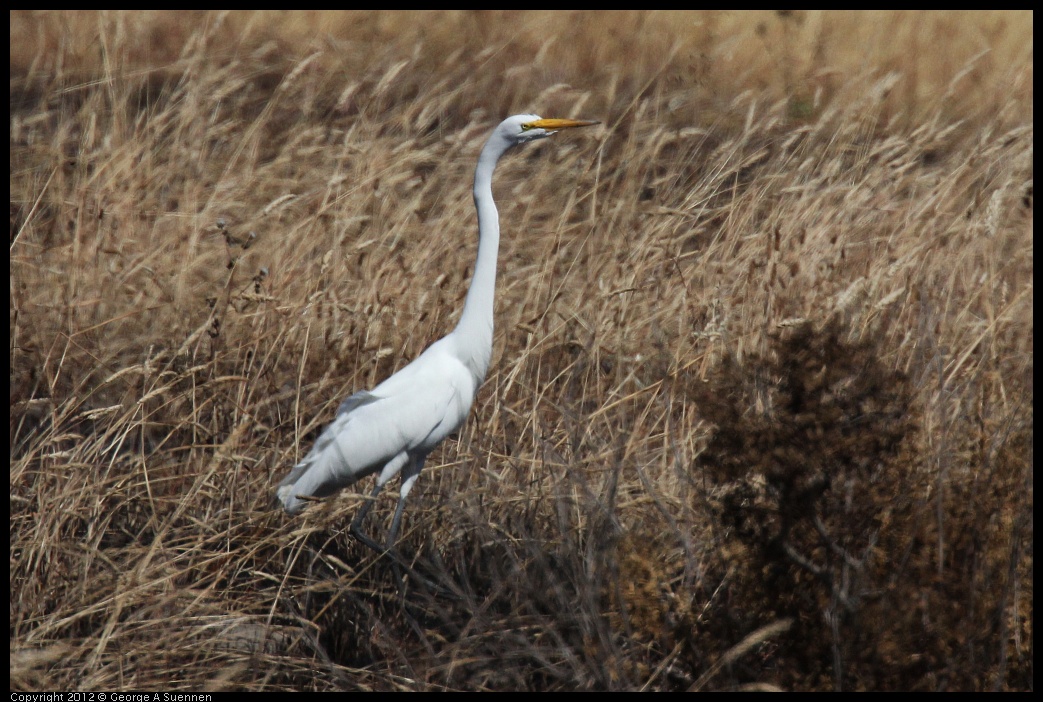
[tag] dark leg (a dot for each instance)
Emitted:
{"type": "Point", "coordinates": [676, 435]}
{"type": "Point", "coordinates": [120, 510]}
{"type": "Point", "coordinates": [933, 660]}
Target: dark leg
{"type": "Point", "coordinates": [356, 523]}
{"type": "Point", "coordinates": [410, 471]}
{"type": "Point", "coordinates": [409, 476]}
{"type": "Point", "coordinates": [390, 470]}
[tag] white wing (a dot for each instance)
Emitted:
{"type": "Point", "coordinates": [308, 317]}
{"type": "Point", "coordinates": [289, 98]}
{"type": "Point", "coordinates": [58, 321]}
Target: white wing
{"type": "Point", "coordinates": [409, 413]}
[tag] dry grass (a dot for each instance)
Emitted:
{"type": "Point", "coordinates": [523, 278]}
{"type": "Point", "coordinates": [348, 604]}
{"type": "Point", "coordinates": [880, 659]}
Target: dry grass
{"type": "Point", "coordinates": [760, 412]}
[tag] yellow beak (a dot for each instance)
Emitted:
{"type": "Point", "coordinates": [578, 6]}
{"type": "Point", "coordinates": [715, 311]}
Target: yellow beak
{"type": "Point", "coordinates": [555, 124]}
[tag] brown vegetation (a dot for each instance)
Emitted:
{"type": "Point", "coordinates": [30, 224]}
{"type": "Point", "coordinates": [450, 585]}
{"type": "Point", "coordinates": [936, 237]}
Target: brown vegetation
{"type": "Point", "coordinates": [760, 411]}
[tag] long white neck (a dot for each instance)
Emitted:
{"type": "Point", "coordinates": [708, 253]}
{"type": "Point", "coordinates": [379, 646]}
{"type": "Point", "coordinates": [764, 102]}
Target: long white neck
{"type": "Point", "coordinates": [474, 332]}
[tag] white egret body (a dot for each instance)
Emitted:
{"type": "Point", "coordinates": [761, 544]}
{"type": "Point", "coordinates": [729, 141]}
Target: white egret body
{"type": "Point", "coordinates": [393, 427]}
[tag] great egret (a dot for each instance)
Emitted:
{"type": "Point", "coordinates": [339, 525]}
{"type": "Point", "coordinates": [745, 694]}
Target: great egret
{"type": "Point", "coordinates": [393, 427]}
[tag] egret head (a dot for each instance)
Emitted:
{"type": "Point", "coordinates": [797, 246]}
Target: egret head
{"type": "Point", "coordinates": [513, 131]}
{"type": "Point", "coordinates": [521, 129]}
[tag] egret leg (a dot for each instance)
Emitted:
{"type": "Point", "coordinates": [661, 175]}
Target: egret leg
{"type": "Point", "coordinates": [356, 523]}
{"type": "Point", "coordinates": [390, 470]}
{"type": "Point", "coordinates": [409, 476]}
{"type": "Point", "coordinates": [413, 466]}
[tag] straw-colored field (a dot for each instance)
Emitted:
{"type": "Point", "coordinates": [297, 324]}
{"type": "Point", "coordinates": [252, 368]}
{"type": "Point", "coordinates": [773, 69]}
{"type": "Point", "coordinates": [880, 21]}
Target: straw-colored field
{"type": "Point", "coordinates": [760, 408]}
